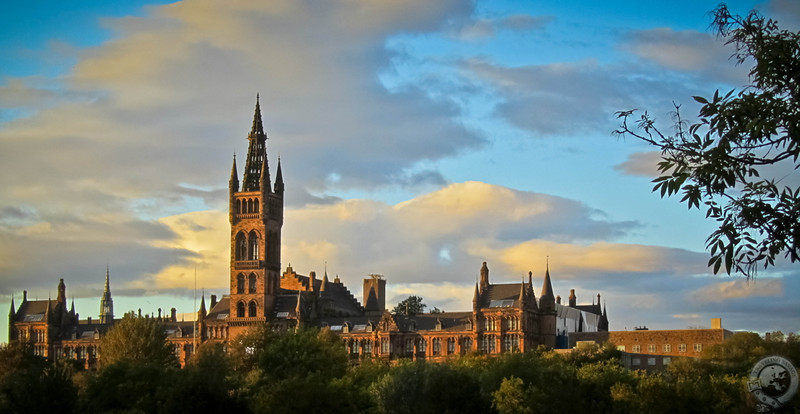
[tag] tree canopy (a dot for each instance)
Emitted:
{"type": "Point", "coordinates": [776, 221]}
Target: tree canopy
{"type": "Point", "coordinates": [737, 159]}
{"type": "Point", "coordinates": [137, 339]}
{"type": "Point", "coordinates": [410, 306]}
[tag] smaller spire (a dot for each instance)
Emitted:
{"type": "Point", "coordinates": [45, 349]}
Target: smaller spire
{"type": "Point", "coordinates": [547, 286]}
{"type": "Point", "coordinates": [202, 312]}
{"type": "Point", "coordinates": [13, 311]}
{"type": "Point", "coordinates": [324, 285]}
{"type": "Point", "coordinates": [522, 292]}
{"type": "Point", "coordinates": [258, 126]}
{"type": "Point", "coordinates": [279, 187]}
{"type": "Point", "coordinates": [234, 182]}
{"type": "Point", "coordinates": [264, 175]}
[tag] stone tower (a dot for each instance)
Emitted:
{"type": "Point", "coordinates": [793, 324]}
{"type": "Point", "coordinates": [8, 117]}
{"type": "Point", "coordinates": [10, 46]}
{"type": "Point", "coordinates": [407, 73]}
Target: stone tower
{"type": "Point", "coordinates": [256, 217]}
{"type": "Point", "coordinates": [106, 304]}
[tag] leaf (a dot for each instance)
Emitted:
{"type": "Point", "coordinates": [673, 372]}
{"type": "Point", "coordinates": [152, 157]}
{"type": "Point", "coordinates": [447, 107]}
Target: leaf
{"type": "Point", "coordinates": [700, 99]}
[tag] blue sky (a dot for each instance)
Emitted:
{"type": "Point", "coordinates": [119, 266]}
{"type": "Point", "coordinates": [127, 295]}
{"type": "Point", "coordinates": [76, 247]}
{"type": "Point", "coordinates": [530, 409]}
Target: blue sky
{"type": "Point", "coordinates": [418, 139]}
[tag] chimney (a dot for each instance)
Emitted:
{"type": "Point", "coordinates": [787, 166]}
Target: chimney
{"type": "Point", "coordinates": [312, 276]}
{"type": "Point", "coordinates": [89, 320]}
{"type": "Point", "coordinates": [716, 323]}
{"type": "Point", "coordinates": [173, 315]}
{"type": "Point", "coordinates": [159, 313]}
{"type": "Point", "coordinates": [140, 312]}
{"type": "Point", "coordinates": [213, 301]}
{"type": "Point", "coordinates": [558, 299]}
{"type": "Point", "coordinates": [573, 301]}
{"type": "Point", "coordinates": [24, 295]}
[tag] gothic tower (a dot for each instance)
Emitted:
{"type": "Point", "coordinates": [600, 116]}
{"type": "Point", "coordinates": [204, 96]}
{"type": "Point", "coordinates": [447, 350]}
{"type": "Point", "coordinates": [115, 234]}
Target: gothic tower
{"type": "Point", "coordinates": [256, 217]}
{"type": "Point", "coordinates": [107, 304]}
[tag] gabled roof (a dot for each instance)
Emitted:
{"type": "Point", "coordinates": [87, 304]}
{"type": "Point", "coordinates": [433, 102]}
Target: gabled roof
{"type": "Point", "coordinates": [220, 310]}
{"type": "Point", "coordinates": [450, 321]}
{"type": "Point", "coordinates": [501, 296]}
{"type": "Point", "coordinates": [33, 310]}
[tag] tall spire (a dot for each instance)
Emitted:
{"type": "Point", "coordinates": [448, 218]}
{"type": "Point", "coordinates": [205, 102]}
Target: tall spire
{"type": "Point", "coordinates": [201, 314]}
{"type": "Point", "coordinates": [107, 303]}
{"type": "Point", "coordinates": [13, 311]}
{"type": "Point", "coordinates": [256, 154]}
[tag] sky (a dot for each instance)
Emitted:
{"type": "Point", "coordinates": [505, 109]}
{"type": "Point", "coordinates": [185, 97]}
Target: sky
{"type": "Point", "coordinates": [418, 139]}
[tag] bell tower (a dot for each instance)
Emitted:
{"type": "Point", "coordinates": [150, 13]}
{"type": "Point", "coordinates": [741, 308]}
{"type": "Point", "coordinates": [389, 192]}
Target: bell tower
{"type": "Point", "coordinates": [256, 217]}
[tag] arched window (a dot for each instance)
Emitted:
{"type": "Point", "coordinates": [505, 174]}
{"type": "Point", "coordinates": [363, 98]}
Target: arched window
{"type": "Point", "coordinates": [252, 246]}
{"type": "Point", "coordinates": [250, 205]}
{"type": "Point", "coordinates": [238, 208]}
{"type": "Point", "coordinates": [240, 283]}
{"type": "Point", "coordinates": [241, 246]}
{"type": "Point", "coordinates": [255, 206]}
{"type": "Point", "coordinates": [251, 283]}
{"type": "Point", "coordinates": [251, 309]}
{"type": "Point", "coordinates": [240, 309]}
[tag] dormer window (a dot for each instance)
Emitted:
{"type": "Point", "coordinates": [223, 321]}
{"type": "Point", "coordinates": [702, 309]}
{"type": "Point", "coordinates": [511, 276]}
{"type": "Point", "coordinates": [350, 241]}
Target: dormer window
{"type": "Point", "coordinates": [469, 325]}
{"type": "Point", "coordinates": [438, 325]}
{"type": "Point", "coordinates": [369, 327]}
{"type": "Point", "coordinates": [346, 327]}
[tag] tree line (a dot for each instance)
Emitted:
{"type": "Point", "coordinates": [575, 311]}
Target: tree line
{"type": "Point", "coordinates": [309, 371]}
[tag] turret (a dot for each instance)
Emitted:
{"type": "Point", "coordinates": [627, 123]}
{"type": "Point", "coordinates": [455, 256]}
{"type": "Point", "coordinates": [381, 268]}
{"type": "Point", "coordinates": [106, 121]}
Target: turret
{"type": "Point", "coordinates": [484, 277]}
{"type": "Point", "coordinates": [61, 299]}
{"type": "Point", "coordinates": [13, 312]}
{"type": "Point", "coordinates": [476, 298]}
{"type": "Point", "coordinates": [547, 300]}
{"type": "Point", "coordinates": [201, 314]}
{"type": "Point", "coordinates": [279, 187]}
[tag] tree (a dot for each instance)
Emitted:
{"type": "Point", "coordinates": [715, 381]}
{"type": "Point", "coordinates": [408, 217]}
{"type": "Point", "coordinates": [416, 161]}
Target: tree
{"type": "Point", "coordinates": [724, 159]}
{"type": "Point", "coordinates": [137, 339]}
{"type": "Point", "coordinates": [31, 384]}
{"type": "Point", "coordinates": [410, 306]}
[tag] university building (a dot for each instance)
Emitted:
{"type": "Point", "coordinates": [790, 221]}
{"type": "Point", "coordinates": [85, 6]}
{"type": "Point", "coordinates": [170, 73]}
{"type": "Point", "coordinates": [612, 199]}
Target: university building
{"type": "Point", "coordinates": [508, 317]}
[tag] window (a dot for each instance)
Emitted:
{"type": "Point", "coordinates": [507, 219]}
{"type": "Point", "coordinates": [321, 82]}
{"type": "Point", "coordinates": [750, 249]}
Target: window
{"type": "Point", "coordinates": [666, 361]}
{"type": "Point", "coordinates": [508, 343]}
{"type": "Point", "coordinates": [651, 348]}
{"type": "Point", "coordinates": [698, 347]}
{"type": "Point", "coordinates": [667, 348]}
{"type": "Point", "coordinates": [252, 246]}
{"type": "Point", "coordinates": [251, 309]}
{"type": "Point", "coordinates": [488, 345]}
{"type": "Point", "coordinates": [251, 283]}
{"type": "Point", "coordinates": [437, 346]}
{"type": "Point", "coordinates": [451, 346]}
{"type": "Point", "coordinates": [469, 325]}
{"type": "Point", "coordinates": [621, 348]}
{"type": "Point", "coordinates": [367, 347]}
{"type": "Point", "coordinates": [423, 346]}
{"type": "Point", "coordinates": [255, 206]}
{"type": "Point", "coordinates": [240, 283]}
{"type": "Point", "coordinates": [240, 310]}
{"type": "Point", "coordinates": [682, 348]}
{"type": "Point", "coordinates": [385, 346]}
{"type": "Point", "coordinates": [468, 344]}
{"type": "Point", "coordinates": [636, 349]}
{"type": "Point", "coordinates": [238, 208]}
{"type": "Point", "coordinates": [636, 361]}
{"type": "Point", "coordinates": [409, 345]}
{"type": "Point", "coordinates": [651, 361]}
{"type": "Point", "coordinates": [241, 246]}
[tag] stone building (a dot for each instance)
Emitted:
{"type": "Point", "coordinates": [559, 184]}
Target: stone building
{"type": "Point", "coordinates": [504, 317]}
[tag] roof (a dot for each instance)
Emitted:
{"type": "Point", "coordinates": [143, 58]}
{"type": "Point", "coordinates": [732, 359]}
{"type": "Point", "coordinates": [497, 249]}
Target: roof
{"type": "Point", "coordinates": [504, 295]}
{"type": "Point", "coordinates": [220, 310]}
{"type": "Point", "coordinates": [33, 310]}
{"type": "Point", "coordinates": [450, 321]}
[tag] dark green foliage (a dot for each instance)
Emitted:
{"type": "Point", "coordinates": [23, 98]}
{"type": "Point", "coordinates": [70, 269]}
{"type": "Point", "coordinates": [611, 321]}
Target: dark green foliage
{"type": "Point", "coordinates": [309, 371]}
{"type": "Point", "coordinates": [410, 306]}
{"type": "Point", "coordinates": [137, 339]}
{"type": "Point", "coordinates": [30, 384]}
{"type": "Point", "coordinates": [291, 372]}
{"type": "Point", "coordinates": [719, 161]}
{"type": "Point", "coordinates": [419, 387]}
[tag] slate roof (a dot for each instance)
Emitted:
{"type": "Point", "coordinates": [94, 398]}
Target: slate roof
{"type": "Point", "coordinates": [451, 321]}
{"type": "Point", "coordinates": [34, 310]}
{"type": "Point", "coordinates": [221, 310]}
{"type": "Point", "coordinates": [501, 292]}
